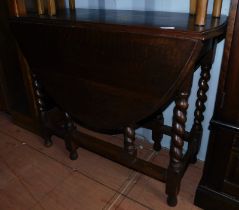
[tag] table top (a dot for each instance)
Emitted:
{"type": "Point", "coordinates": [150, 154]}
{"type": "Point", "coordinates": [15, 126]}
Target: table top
{"type": "Point", "coordinates": [160, 22]}
{"type": "Point", "coordinates": [111, 69]}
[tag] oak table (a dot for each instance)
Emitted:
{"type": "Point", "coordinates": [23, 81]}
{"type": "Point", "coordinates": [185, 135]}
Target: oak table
{"type": "Point", "coordinates": [114, 71]}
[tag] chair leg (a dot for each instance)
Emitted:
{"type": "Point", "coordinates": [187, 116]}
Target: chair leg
{"type": "Point", "coordinates": [200, 108]}
{"type": "Point", "coordinates": [175, 169]}
{"type": "Point", "coordinates": [70, 145]}
{"type": "Point", "coordinates": [129, 141]}
{"type": "Point", "coordinates": [157, 135]}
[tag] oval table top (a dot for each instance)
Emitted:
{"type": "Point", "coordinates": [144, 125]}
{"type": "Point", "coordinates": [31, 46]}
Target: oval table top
{"type": "Point", "coordinates": [106, 78]}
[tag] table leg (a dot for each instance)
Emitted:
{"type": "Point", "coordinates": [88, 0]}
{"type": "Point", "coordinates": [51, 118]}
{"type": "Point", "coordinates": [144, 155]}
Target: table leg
{"type": "Point", "coordinates": [157, 134]}
{"type": "Point", "coordinates": [43, 108]}
{"type": "Point", "coordinates": [175, 169]}
{"type": "Point", "coordinates": [129, 141]}
{"type": "Point", "coordinates": [70, 145]}
{"type": "Point", "coordinates": [200, 108]}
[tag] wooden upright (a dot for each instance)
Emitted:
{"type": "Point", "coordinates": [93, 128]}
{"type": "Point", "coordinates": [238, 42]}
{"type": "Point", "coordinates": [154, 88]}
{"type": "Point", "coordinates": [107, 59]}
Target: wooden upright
{"type": "Point", "coordinates": [51, 7]}
{"type": "Point", "coordinates": [72, 4]}
{"type": "Point", "coordinates": [217, 7]}
{"type": "Point", "coordinates": [40, 7]}
{"type": "Point", "coordinates": [17, 7]}
{"type": "Point", "coordinates": [193, 7]}
{"type": "Point", "coordinates": [201, 12]}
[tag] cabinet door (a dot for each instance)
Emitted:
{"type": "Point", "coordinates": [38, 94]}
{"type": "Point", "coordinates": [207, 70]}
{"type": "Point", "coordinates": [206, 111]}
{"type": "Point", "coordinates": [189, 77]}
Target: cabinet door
{"type": "Point", "coordinates": [226, 109]}
{"type": "Point", "coordinates": [231, 182]}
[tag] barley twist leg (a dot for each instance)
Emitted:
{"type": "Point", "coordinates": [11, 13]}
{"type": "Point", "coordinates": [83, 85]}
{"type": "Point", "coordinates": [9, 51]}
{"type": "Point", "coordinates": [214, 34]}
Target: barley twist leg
{"type": "Point", "coordinates": [200, 108]}
{"type": "Point", "coordinates": [70, 145]}
{"type": "Point", "coordinates": [129, 141]}
{"type": "Point", "coordinates": [43, 108]}
{"type": "Point", "coordinates": [174, 173]}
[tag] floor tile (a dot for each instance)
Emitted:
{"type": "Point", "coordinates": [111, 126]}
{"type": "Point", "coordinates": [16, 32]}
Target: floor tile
{"type": "Point", "coordinates": [190, 182]}
{"type": "Point", "coordinates": [41, 178]}
{"type": "Point", "coordinates": [94, 166]}
{"type": "Point", "coordinates": [7, 144]}
{"type": "Point", "coordinates": [22, 135]}
{"type": "Point", "coordinates": [124, 203]}
{"type": "Point", "coordinates": [15, 196]}
{"type": "Point", "coordinates": [151, 192]}
{"type": "Point", "coordinates": [78, 192]}
{"type": "Point", "coordinates": [161, 158]}
{"type": "Point", "coordinates": [128, 204]}
{"type": "Point", "coordinates": [39, 173]}
{"type": "Point", "coordinates": [107, 172]}
{"type": "Point", "coordinates": [37, 207]}
{"type": "Point", "coordinates": [4, 118]}
{"type": "Point", "coordinates": [6, 176]}
{"type": "Point", "coordinates": [196, 208]}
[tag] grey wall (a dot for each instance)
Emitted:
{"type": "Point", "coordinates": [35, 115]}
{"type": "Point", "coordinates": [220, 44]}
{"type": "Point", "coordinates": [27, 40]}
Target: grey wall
{"type": "Point", "coordinates": [179, 6]}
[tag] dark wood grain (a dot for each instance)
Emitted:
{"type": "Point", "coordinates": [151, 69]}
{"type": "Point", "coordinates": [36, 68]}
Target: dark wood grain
{"type": "Point", "coordinates": [126, 51]}
{"type": "Point", "coordinates": [136, 21]}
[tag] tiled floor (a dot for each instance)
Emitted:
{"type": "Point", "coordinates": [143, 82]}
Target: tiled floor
{"type": "Point", "coordinates": [34, 177]}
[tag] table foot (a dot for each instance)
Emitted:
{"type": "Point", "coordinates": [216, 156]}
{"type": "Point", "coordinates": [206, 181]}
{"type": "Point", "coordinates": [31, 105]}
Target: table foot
{"type": "Point", "coordinates": [73, 155]}
{"type": "Point", "coordinates": [70, 145]}
{"type": "Point", "coordinates": [157, 146]}
{"type": "Point", "coordinates": [194, 159]}
{"type": "Point", "coordinates": [48, 142]}
{"type": "Point", "coordinates": [172, 200]}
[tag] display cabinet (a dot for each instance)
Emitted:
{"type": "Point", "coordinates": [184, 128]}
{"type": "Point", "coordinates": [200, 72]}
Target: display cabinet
{"type": "Point", "coordinates": [219, 186]}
